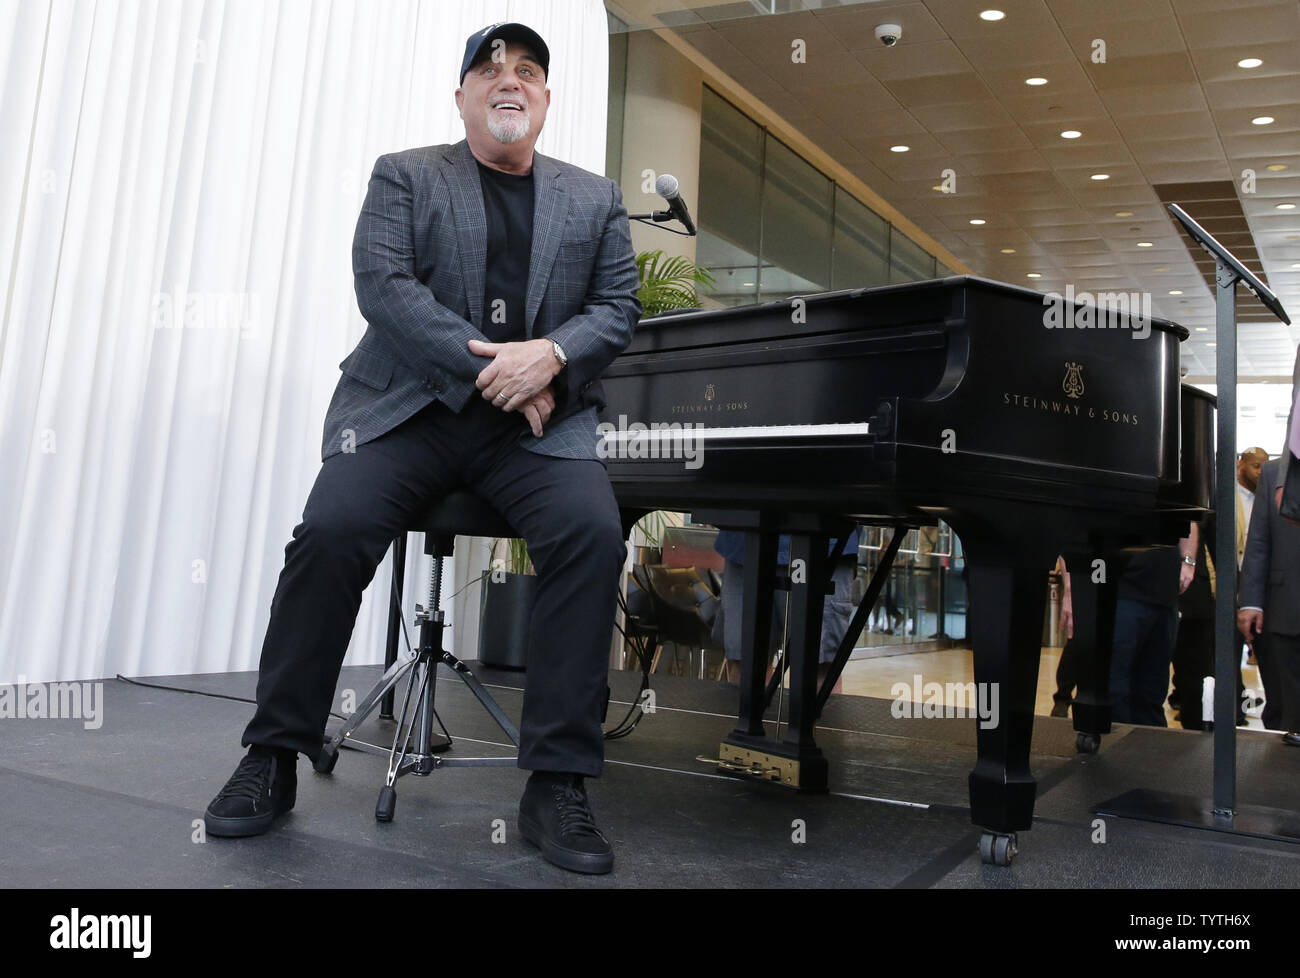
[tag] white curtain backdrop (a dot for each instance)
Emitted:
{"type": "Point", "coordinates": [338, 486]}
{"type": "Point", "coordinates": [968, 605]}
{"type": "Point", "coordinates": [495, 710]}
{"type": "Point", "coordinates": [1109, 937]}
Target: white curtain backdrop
{"type": "Point", "coordinates": [179, 184]}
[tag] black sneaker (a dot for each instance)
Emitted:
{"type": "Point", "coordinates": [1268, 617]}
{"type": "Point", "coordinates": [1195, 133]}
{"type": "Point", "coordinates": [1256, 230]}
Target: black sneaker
{"type": "Point", "coordinates": [554, 816]}
{"type": "Point", "coordinates": [263, 786]}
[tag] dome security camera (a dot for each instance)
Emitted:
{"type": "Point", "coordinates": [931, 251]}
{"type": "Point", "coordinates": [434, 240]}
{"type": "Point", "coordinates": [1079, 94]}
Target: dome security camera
{"type": "Point", "coordinates": [888, 34]}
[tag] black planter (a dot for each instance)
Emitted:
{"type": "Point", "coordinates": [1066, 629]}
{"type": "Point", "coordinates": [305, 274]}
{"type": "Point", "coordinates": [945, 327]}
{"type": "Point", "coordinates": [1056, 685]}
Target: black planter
{"type": "Point", "coordinates": [504, 616]}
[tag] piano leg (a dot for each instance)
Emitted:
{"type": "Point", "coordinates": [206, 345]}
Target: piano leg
{"type": "Point", "coordinates": [756, 631]}
{"type": "Point", "coordinates": [1006, 623]}
{"type": "Point", "coordinates": [795, 760]}
{"type": "Point", "coordinates": [1094, 631]}
{"type": "Point", "coordinates": [804, 624]}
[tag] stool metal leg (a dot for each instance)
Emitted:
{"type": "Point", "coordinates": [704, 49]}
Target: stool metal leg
{"type": "Point", "coordinates": [394, 616]}
{"type": "Point", "coordinates": [415, 747]}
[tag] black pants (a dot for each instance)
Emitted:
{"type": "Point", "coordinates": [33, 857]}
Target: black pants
{"type": "Point", "coordinates": [1278, 658]}
{"type": "Point", "coordinates": [1193, 661]}
{"type": "Point", "coordinates": [361, 501]}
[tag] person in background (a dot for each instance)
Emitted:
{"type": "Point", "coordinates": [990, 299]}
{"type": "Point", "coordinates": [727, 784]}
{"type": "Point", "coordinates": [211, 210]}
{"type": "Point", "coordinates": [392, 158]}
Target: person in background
{"type": "Point", "coordinates": [1269, 600]}
{"type": "Point", "coordinates": [836, 612]}
{"type": "Point", "coordinates": [1146, 626]}
{"type": "Point", "coordinates": [1249, 464]}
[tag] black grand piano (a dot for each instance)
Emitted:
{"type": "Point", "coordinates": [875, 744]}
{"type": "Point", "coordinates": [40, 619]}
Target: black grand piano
{"type": "Point", "coordinates": [958, 399]}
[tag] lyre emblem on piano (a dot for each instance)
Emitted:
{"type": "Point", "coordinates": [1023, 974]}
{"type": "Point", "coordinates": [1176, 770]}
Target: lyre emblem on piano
{"type": "Point", "coordinates": [1073, 382]}
{"type": "Point", "coordinates": [709, 392]}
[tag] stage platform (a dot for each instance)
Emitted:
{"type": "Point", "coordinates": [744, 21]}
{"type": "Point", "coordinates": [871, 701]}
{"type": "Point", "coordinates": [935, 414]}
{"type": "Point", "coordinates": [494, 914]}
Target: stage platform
{"type": "Point", "coordinates": [117, 806]}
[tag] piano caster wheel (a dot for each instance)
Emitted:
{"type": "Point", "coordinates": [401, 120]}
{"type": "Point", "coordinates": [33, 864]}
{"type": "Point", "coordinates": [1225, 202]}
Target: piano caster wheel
{"type": "Point", "coordinates": [1087, 743]}
{"type": "Point", "coordinates": [386, 804]}
{"type": "Point", "coordinates": [997, 849]}
{"type": "Point", "coordinates": [326, 760]}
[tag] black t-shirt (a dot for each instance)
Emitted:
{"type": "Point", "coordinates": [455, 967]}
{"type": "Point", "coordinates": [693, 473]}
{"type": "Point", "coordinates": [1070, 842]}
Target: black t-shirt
{"type": "Point", "coordinates": [1152, 576]}
{"type": "Point", "coordinates": [508, 206]}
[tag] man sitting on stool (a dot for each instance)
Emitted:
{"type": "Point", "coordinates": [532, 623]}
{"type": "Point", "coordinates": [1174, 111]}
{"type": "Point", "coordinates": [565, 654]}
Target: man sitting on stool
{"type": "Point", "coordinates": [498, 284]}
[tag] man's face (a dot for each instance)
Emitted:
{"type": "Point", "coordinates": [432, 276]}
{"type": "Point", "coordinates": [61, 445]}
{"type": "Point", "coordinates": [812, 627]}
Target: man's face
{"type": "Point", "coordinates": [504, 97]}
{"type": "Point", "coordinates": [1248, 469]}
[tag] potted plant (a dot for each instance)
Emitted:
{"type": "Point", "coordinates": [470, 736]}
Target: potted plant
{"type": "Point", "coordinates": [509, 590]}
{"type": "Point", "coordinates": [669, 283]}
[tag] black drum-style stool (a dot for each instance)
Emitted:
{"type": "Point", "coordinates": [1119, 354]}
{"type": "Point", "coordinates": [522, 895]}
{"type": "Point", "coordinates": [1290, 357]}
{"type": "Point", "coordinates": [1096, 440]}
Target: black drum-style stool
{"type": "Point", "coordinates": [415, 748]}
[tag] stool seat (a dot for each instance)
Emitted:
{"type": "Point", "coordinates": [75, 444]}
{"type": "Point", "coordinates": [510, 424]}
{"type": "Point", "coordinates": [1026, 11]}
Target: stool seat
{"type": "Point", "coordinates": [463, 513]}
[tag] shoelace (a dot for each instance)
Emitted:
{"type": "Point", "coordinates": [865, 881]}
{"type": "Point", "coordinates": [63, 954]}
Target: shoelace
{"type": "Point", "coordinates": [575, 815]}
{"type": "Point", "coordinates": [252, 780]}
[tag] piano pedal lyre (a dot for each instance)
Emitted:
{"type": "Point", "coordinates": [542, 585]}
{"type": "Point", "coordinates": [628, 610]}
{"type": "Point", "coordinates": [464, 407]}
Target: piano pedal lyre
{"type": "Point", "coordinates": [745, 762]}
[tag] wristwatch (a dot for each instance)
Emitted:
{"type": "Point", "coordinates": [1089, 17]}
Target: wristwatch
{"type": "Point", "coordinates": [1189, 561]}
{"type": "Point", "coordinates": [559, 354]}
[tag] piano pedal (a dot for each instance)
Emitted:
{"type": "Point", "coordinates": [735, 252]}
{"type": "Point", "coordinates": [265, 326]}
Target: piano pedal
{"type": "Point", "coordinates": [746, 763]}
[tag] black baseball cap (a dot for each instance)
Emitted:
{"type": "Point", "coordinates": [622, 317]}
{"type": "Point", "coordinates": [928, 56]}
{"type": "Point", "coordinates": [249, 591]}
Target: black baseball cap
{"type": "Point", "coordinates": [506, 32]}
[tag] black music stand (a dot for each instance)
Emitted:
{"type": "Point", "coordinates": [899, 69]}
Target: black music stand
{"type": "Point", "coordinates": [1223, 815]}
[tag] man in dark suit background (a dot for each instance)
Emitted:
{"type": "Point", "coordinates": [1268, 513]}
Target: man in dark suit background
{"type": "Point", "coordinates": [497, 285]}
{"type": "Point", "coordinates": [1269, 614]}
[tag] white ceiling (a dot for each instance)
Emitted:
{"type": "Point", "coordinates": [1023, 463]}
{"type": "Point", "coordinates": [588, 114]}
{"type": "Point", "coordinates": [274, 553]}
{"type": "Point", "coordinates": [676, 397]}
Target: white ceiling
{"type": "Point", "coordinates": [1168, 106]}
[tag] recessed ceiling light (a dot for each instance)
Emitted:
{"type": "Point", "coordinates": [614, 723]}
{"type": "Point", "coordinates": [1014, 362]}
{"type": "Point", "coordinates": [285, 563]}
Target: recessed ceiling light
{"type": "Point", "coordinates": [747, 285]}
{"type": "Point", "coordinates": [991, 15]}
{"type": "Point", "coordinates": [1261, 120]}
{"type": "Point", "coordinates": [899, 149]}
{"type": "Point", "coordinates": [977, 220]}
{"type": "Point", "coordinates": [1033, 275]}
{"type": "Point", "coordinates": [938, 187]}
{"type": "Point", "coordinates": [1100, 176]}
{"type": "Point", "coordinates": [1075, 134]}
{"type": "Point", "coordinates": [1008, 251]}
{"type": "Point", "coordinates": [1249, 63]}
{"type": "Point", "coordinates": [1275, 167]}
{"type": "Point", "coordinates": [1123, 213]}
{"type": "Point", "coordinates": [1175, 291]}
{"type": "Point", "coordinates": [1145, 244]}
{"type": "Point", "coordinates": [1035, 81]}
{"type": "Point", "coordinates": [1211, 345]}
{"type": "Point", "coordinates": [1162, 268]}
{"type": "Point", "coordinates": [1295, 264]}
{"type": "Point", "coordinates": [1286, 207]}
{"type": "Point", "coordinates": [1202, 329]}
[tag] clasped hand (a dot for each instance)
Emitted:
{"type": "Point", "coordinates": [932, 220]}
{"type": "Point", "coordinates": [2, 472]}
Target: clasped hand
{"type": "Point", "coordinates": [519, 378]}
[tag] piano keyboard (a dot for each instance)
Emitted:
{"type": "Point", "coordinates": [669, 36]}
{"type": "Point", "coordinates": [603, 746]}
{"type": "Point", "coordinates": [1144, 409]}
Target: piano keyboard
{"type": "Point", "coordinates": [701, 433]}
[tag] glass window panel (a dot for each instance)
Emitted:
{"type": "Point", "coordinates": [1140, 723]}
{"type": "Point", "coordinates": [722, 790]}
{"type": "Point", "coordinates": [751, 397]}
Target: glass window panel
{"type": "Point", "coordinates": [908, 261]}
{"type": "Point", "coordinates": [796, 225]}
{"type": "Point", "coordinates": [861, 243]}
{"type": "Point", "coordinates": [731, 159]}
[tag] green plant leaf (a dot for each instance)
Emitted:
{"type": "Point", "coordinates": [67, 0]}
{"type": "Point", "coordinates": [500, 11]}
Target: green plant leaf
{"type": "Point", "coordinates": [669, 283]}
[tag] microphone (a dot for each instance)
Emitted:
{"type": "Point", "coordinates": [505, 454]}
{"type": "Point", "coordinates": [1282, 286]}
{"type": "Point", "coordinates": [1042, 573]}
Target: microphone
{"type": "Point", "coordinates": [666, 187]}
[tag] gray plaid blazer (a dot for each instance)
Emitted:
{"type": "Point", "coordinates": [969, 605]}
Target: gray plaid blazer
{"type": "Point", "coordinates": [419, 259]}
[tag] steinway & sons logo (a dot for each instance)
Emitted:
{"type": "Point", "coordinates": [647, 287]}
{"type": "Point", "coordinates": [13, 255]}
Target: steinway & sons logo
{"type": "Point", "coordinates": [711, 404]}
{"type": "Point", "coordinates": [1071, 406]}
{"type": "Point", "coordinates": [1073, 383]}
{"type": "Point", "coordinates": [1105, 310]}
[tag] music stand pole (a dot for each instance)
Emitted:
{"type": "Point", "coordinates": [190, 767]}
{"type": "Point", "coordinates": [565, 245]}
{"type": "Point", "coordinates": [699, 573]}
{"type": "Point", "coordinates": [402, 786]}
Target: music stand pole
{"type": "Point", "coordinates": [1226, 646]}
